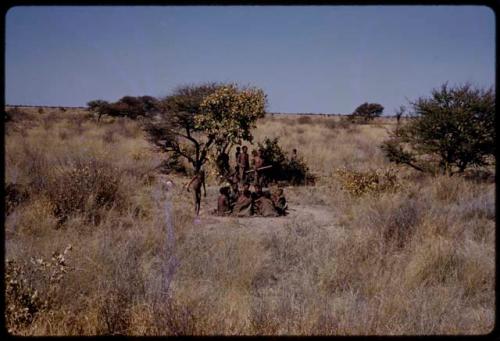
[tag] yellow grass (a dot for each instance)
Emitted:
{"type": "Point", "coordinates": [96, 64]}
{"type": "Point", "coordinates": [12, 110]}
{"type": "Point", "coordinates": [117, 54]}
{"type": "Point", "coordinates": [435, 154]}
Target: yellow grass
{"type": "Point", "coordinates": [417, 260]}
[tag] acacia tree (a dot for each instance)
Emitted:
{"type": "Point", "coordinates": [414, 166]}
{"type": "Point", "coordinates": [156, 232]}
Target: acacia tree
{"type": "Point", "coordinates": [127, 106]}
{"type": "Point", "coordinates": [448, 132]}
{"type": "Point", "coordinates": [196, 119]}
{"type": "Point", "coordinates": [366, 112]}
{"type": "Point", "coordinates": [99, 107]}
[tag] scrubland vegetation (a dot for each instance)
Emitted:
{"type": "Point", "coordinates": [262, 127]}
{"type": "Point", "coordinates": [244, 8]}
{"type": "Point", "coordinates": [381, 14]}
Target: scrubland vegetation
{"type": "Point", "coordinates": [395, 251]}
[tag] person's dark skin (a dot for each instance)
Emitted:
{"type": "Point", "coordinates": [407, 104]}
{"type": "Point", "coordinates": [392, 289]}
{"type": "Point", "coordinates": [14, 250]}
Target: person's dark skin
{"type": "Point", "coordinates": [199, 181]}
{"type": "Point", "coordinates": [243, 164]}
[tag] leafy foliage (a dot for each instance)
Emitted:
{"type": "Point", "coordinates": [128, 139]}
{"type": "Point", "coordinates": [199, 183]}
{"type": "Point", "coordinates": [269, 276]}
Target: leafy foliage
{"type": "Point", "coordinates": [229, 114]}
{"type": "Point", "coordinates": [283, 168]}
{"type": "Point", "coordinates": [196, 119]}
{"type": "Point", "coordinates": [448, 132]}
{"type": "Point", "coordinates": [366, 112]}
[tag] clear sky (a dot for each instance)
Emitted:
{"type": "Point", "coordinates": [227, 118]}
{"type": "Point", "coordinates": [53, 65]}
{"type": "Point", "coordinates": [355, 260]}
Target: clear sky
{"type": "Point", "coordinates": [324, 59]}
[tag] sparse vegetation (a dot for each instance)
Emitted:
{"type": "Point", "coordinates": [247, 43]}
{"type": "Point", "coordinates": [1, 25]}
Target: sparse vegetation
{"type": "Point", "coordinates": [413, 255]}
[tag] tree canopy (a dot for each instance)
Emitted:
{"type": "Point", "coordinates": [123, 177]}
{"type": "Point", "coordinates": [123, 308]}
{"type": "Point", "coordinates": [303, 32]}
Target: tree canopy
{"type": "Point", "coordinates": [366, 112]}
{"type": "Point", "coordinates": [447, 132]}
{"type": "Point", "coordinates": [194, 119]}
{"type": "Point", "coordinates": [127, 106]}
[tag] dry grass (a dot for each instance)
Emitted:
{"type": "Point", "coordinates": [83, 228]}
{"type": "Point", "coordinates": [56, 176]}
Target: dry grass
{"type": "Point", "coordinates": [415, 260]}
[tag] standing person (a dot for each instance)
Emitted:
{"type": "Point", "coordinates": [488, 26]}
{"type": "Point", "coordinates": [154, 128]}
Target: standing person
{"type": "Point", "coordinates": [243, 164]}
{"type": "Point", "coordinates": [223, 163]}
{"type": "Point", "coordinates": [257, 162]}
{"type": "Point", "coordinates": [198, 181]}
{"type": "Point", "coordinates": [237, 158]}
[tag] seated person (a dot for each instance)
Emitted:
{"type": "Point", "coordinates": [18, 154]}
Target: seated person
{"type": "Point", "coordinates": [264, 206]}
{"type": "Point", "coordinates": [279, 201]}
{"type": "Point", "coordinates": [233, 194]}
{"type": "Point", "coordinates": [257, 192]}
{"type": "Point", "coordinates": [223, 207]}
{"type": "Point", "coordinates": [243, 206]}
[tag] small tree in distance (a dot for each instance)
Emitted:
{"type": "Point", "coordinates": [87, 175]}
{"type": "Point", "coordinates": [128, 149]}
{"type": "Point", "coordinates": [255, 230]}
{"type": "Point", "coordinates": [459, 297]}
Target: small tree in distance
{"type": "Point", "coordinates": [99, 107]}
{"type": "Point", "coordinates": [127, 106]}
{"type": "Point", "coordinates": [399, 113]}
{"type": "Point", "coordinates": [366, 112]}
{"type": "Point", "coordinates": [449, 132]}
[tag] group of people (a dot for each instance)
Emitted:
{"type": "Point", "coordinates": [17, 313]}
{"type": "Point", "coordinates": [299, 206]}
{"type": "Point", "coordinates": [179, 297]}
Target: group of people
{"type": "Point", "coordinates": [237, 200]}
{"type": "Point", "coordinates": [242, 172]}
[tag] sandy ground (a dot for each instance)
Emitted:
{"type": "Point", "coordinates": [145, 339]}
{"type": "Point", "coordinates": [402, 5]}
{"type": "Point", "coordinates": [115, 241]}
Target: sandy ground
{"type": "Point", "coordinates": [317, 214]}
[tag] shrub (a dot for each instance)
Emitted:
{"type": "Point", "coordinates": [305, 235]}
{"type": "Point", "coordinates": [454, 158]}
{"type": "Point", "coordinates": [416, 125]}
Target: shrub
{"type": "Point", "coordinates": [402, 222]}
{"type": "Point", "coordinates": [23, 301]}
{"type": "Point", "coordinates": [305, 120]}
{"type": "Point", "coordinates": [358, 183]}
{"type": "Point", "coordinates": [344, 122]}
{"type": "Point", "coordinates": [449, 132]}
{"type": "Point", "coordinates": [37, 166]}
{"type": "Point", "coordinates": [283, 168]}
{"type": "Point", "coordinates": [15, 115]}
{"type": "Point", "coordinates": [331, 124]}
{"type": "Point", "coordinates": [15, 194]}
{"type": "Point", "coordinates": [108, 136]}
{"type": "Point", "coordinates": [85, 188]}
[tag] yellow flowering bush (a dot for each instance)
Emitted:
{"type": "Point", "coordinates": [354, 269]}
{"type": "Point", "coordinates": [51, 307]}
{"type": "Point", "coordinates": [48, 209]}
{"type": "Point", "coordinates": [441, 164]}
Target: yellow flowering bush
{"type": "Point", "coordinates": [358, 183]}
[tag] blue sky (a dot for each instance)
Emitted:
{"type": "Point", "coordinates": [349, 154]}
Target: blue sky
{"type": "Point", "coordinates": [325, 59]}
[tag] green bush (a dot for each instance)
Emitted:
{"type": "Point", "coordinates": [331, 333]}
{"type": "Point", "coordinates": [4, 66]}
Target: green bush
{"type": "Point", "coordinates": [366, 112]}
{"type": "Point", "coordinates": [285, 169]}
{"type": "Point", "coordinates": [452, 130]}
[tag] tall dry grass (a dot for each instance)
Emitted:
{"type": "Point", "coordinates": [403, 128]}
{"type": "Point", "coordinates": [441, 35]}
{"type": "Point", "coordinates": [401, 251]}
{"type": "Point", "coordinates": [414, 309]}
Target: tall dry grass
{"type": "Point", "coordinates": [414, 259]}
